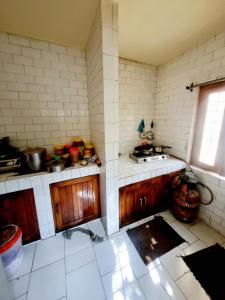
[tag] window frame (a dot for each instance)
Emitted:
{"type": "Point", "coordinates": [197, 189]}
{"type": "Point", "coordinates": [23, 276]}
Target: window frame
{"type": "Point", "coordinates": [205, 90]}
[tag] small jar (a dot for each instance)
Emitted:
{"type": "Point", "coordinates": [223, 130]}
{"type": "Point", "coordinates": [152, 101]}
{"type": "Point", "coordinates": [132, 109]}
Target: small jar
{"type": "Point", "coordinates": [89, 148]}
{"type": "Point", "coordinates": [59, 149]}
{"type": "Point", "coordinates": [66, 159]}
{"type": "Point", "coordinates": [74, 154]}
{"type": "Point", "coordinates": [66, 148]}
{"type": "Point", "coordinates": [87, 153]}
{"type": "Point", "coordinates": [78, 142]}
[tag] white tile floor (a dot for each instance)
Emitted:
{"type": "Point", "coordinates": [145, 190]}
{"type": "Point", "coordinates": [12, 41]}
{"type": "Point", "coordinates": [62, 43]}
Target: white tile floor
{"type": "Point", "coordinates": [77, 269]}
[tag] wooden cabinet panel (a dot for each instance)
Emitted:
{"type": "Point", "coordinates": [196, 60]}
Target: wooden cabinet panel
{"type": "Point", "coordinates": [150, 192]}
{"type": "Point", "coordinates": [75, 201]}
{"type": "Point", "coordinates": [143, 199]}
{"type": "Point", "coordinates": [19, 208]}
{"type": "Point", "coordinates": [129, 204]}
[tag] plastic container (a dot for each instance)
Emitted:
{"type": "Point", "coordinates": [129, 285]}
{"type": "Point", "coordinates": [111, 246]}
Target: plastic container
{"type": "Point", "coordinates": [11, 250]}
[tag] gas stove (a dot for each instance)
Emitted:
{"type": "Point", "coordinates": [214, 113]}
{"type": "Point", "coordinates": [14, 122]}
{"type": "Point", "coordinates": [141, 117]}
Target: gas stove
{"type": "Point", "coordinates": [143, 158]}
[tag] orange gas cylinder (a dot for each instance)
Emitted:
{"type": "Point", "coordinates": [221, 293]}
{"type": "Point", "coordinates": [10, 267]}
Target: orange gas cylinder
{"type": "Point", "coordinates": [185, 205]}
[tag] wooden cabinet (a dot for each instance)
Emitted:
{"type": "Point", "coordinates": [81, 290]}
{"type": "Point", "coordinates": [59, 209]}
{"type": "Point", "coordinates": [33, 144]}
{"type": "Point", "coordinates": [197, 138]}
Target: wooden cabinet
{"type": "Point", "coordinates": [150, 195]}
{"type": "Point", "coordinates": [129, 203]}
{"type": "Point", "coordinates": [75, 201]}
{"type": "Point", "coordinates": [19, 208]}
{"type": "Point", "coordinates": [145, 198]}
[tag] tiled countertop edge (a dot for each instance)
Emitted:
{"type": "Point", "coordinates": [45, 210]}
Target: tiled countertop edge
{"type": "Point", "coordinates": [148, 171]}
{"type": "Point", "coordinates": [21, 182]}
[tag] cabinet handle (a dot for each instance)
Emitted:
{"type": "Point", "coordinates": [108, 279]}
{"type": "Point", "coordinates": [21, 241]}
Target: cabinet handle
{"type": "Point", "coordinates": [145, 200]}
{"type": "Point", "coordinates": [141, 201]}
{"type": "Point", "coordinates": [57, 208]}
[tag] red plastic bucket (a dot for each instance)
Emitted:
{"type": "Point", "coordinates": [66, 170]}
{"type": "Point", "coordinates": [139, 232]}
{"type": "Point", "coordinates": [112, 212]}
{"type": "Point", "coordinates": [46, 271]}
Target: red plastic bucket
{"type": "Point", "coordinates": [11, 250]}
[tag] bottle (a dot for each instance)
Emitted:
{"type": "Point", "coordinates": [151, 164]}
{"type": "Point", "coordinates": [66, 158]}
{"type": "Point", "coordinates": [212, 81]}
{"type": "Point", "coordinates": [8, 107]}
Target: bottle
{"type": "Point", "coordinates": [98, 162]}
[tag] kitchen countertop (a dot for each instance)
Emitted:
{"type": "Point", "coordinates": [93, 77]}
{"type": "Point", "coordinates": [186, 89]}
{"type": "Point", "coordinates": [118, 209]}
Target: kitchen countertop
{"type": "Point", "coordinates": [11, 183]}
{"type": "Point", "coordinates": [131, 172]}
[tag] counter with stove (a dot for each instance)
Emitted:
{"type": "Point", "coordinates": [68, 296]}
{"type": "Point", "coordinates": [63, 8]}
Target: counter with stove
{"type": "Point", "coordinates": [132, 172]}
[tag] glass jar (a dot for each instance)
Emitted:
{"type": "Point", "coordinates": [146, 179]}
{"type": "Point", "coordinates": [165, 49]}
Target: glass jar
{"type": "Point", "coordinates": [59, 149]}
{"type": "Point", "coordinates": [78, 142]}
{"type": "Point", "coordinates": [66, 159]}
{"type": "Point", "coordinates": [87, 153]}
{"type": "Point", "coordinates": [89, 148]}
{"type": "Point", "coordinates": [74, 154]}
{"type": "Point", "coordinates": [66, 148]}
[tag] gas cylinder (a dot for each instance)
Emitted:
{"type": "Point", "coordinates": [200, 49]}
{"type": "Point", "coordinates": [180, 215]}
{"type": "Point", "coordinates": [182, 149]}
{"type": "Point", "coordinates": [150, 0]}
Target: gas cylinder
{"type": "Point", "coordinates": [185, 204]}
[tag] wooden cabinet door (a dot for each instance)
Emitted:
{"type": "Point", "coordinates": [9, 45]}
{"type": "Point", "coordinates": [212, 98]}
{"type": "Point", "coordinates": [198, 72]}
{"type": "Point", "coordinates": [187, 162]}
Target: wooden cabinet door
{"type": "Point", "coordinates": [150, 193]}
{"type": "Point", "coordinates": [129, 204]}
{"type": "Point", "coordinates": [19, 208]}
{"type": "Point", "coordinates": [75, 201]}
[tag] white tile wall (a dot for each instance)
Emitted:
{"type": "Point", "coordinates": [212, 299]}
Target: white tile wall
{"type": "Point", "coordinates": [95, 83]}
{"type": "Point", "coordinates": [175, 108]}
{"type": "Point", "coordinates": [137, 89]}
{"type": "Point", "coordinates": [43, 92]}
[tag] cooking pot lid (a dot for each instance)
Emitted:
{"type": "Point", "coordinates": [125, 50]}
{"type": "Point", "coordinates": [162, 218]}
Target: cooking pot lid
{"type": "Point", "coordinates": [34, 150]}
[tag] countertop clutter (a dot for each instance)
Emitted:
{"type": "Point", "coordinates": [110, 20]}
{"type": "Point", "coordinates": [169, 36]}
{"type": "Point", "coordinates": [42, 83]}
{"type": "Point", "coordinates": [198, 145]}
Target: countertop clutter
{"type": "Point", "coordinates": [34, 160]}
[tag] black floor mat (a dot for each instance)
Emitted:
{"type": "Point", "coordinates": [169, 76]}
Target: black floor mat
{"type": "Point", "coordinates": [154, 238]}
{"type": "Point", "coordinates": [208, 267]}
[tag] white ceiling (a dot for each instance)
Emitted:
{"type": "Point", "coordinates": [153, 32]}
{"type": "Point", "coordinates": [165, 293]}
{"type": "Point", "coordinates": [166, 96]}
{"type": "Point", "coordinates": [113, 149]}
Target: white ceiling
{"type": "Point", "coordinates": [151, 31]}
{"type": "Point", "coordinates": [65, 22]}
{"type": "Point", "coordinates": [155, 31]}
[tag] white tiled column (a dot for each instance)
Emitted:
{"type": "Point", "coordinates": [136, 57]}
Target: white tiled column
{"type": "Point", "coordinates": [111, 111]}
{"type": "Point", "coordinates": [102, 77]}
{"type": "Point", "coordinates": [42, 196]}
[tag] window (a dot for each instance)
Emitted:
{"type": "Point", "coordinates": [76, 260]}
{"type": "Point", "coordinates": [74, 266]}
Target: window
{"type": "Point", "coordinates": [208, 149]}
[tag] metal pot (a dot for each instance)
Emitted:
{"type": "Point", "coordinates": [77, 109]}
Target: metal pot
{"type": "Point", "coordinates": [159, 149]}
{"type": "Point", "coordinates": [55, 165]}
{"type": "Point", "coordinates": [35, 158]}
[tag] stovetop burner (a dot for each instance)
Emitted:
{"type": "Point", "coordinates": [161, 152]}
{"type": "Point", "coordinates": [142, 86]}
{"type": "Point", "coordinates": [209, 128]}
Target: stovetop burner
{"type": "Point", "coordinates": [142, 158]}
